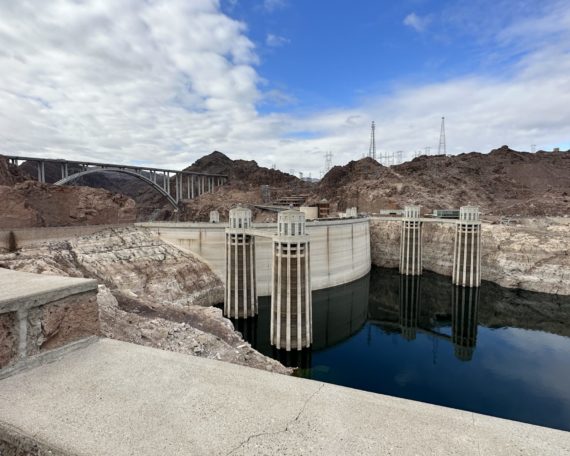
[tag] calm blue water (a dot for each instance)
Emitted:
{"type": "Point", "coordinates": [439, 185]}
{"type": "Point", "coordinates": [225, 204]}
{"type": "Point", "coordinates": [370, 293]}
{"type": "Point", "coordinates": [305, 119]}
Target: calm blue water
{"type": "Point", "coordinates": [494, 351]}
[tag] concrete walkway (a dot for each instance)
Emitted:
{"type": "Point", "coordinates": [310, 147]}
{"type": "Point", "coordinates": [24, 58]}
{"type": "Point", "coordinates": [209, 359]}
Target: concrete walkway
{"type": "Point", "coordinates": [114, 398]}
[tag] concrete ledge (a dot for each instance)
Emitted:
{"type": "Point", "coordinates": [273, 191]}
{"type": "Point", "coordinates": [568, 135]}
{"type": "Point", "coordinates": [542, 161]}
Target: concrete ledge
{"type": "Point", "coordinates": [43, 313]}
{"type": "Point", "coordinates": [24, 290]}
{"type": "Point", "coordinates": [122, 399]}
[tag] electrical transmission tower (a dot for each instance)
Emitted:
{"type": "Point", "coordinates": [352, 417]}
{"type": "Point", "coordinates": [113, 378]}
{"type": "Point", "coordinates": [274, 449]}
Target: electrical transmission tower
{"type": "Point", "coordinates": [399, 156]}
{"type": "Point", "coordinates": [328, 161]}
{"type": "Point", "coordinates": [387, 158]}
{"type": "Point", "coordinates": [372, 147]}
{"type": "Point", "coordinates": [427, 149]}
{"type": "Point", "coordinates": [442, 149]}
{"type": "Point", "coordinates": [533, 148]}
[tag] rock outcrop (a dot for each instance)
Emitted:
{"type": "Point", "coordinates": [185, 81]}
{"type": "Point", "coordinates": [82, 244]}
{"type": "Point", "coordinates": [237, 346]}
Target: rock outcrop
{"type": "Point", "coordinates": [531, 255]}
{"type": "Point", "coordinates": [31, 204]}
{"type": "Point", "coordinates": [151, 293]}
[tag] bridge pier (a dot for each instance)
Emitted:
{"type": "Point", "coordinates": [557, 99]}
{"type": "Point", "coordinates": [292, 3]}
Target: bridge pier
{"type": "Point", "coordinates": [177, 187]}
{"type": "Point", "coordinates": [241, 293]}
{"type": "Point", "coordinates": [467, 248]}
{"type": "Point", "coordinates": [41, 172]}
{"type": "Point", "coordinates": [409, 305]}
{"type": "Point", "coordinates": [411, 242]}
{"type": "Point", "coordinates": [64, 170]}
{"type": "Point", "coordinates": [291, 300]}
{"type": "Point", "coordinates": [464, 321]}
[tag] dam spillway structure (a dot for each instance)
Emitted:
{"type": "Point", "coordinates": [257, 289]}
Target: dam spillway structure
{"type": "Point", "coordinates": [411, 242]}
{"type": "Point", "coordinates": [291, 301]}
{"type": "Point", "coordinates": [240, 300]}
{"type": "Point", "coordinates": [467, 248]}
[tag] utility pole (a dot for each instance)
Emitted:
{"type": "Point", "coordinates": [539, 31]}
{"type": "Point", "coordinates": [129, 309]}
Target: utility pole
{"type": "Point", "coordinates": [372, 147]}
{"type": "Point", "coordinates": [442, 149]}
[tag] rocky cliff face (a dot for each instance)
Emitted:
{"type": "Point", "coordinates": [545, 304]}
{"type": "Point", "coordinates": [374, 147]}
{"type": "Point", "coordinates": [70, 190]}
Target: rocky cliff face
{"type": "Point", "coordinates": [27, 203]}
{"type": "Point", "coordinates": [31, 204]}
{"type": "Point", "coordinates": [531, 255]}
{"type": "Point", "coordinates": [151, 293]}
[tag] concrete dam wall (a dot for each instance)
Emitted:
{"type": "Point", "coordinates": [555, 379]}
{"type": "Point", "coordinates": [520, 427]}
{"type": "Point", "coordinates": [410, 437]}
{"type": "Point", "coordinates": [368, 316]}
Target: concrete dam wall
{"type": "Point", "coordinates": [340, 249]}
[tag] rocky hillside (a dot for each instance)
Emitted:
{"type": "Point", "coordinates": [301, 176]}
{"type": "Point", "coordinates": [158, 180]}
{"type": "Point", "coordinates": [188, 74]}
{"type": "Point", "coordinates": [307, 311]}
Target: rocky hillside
{"type": "Point", "coordinates": [246, 173]}
{"type": "Point", "coordinates": [503, 183]}
{"type": "Point", "coordinates": [27, 203]}
{"type": "Point", "coordinates": [31, 204]}
{"type": "Point", "coordinates": [245, 180]}
{"type": "Point", "coordinates": [10, 174]}
{"type": "Point", "coordinates": [151, 293]}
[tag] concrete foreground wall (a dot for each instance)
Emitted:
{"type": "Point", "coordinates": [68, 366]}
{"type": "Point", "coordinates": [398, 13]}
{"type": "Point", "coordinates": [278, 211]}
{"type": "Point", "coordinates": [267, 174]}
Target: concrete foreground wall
{"type": "Point", "coordinates": [41, 314]}
{"type": "Point", "coordinates": [340, 249]}
{"type": "Point", "coordinates": [120, 399]}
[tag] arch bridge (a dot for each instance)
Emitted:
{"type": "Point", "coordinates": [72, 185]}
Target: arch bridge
{"type": "Point", "coordinates": [186, 184]}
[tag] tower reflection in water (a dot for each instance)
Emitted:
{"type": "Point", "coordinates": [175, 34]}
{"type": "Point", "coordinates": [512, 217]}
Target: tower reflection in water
{"type": "Point", "coordinates": [338, 313]}
{"type": "Point", "coordinates": [464, 310]}
{"type": "Point", "coordinates": [410, 288]}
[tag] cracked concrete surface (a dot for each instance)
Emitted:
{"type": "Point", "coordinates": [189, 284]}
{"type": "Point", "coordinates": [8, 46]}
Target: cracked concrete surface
{"type": "Point", "coordinates": [291, 422]}
{"type": "Point", "coordinates": [122, 399]}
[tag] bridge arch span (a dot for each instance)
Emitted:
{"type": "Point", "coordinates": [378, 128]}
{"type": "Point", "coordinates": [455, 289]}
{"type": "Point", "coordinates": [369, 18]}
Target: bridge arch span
{"type": "Point", "coordinates": [146, 180]}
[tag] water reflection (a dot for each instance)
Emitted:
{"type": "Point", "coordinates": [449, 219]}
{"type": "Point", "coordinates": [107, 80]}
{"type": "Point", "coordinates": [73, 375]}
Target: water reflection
{"type": "Point", "coordinates": [490, 350]}
{"type": "Point", "coordinates": [465, 304]}
{"type": "Point", "coordinates": [338, 313]}
{"type": "Point", "coordinates": [409, 305]}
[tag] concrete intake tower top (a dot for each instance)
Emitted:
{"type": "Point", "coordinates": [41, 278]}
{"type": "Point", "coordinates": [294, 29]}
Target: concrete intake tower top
{"type": "Point", "coordinates": [240, 218]}
{"type": "Point", "coordinates": [291, 223]}
{"type": "Point", "coordinates": [469, 214]}
{"type": "Point", "coordinates": [412, 211]}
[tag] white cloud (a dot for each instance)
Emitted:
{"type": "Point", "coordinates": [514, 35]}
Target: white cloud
{"type": "Point", "coordinates": [418, 23]}
{"type": "Point", "coordinates": [168, 81]}
{"type": "Point", "coordinates": [276, 40]}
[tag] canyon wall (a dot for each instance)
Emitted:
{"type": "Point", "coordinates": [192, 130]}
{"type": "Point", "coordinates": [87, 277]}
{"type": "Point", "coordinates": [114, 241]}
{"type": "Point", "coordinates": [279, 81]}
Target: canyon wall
{"type": "Point", "coordinates": [533, 254]}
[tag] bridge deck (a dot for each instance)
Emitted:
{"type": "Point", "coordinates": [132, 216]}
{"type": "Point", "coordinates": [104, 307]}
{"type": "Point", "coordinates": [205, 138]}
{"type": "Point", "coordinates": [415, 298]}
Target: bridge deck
{"type": "Point", "coordinates": [110, 165]}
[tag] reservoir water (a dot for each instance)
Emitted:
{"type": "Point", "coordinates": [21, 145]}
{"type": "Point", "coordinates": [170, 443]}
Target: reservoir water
{"type": "Point", "coordinates": [491, 350]}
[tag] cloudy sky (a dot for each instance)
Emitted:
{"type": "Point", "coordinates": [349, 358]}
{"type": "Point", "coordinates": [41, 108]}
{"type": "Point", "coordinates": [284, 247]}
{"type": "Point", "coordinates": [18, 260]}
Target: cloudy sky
{"type": "Point", "coordinates": [163, 82]}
